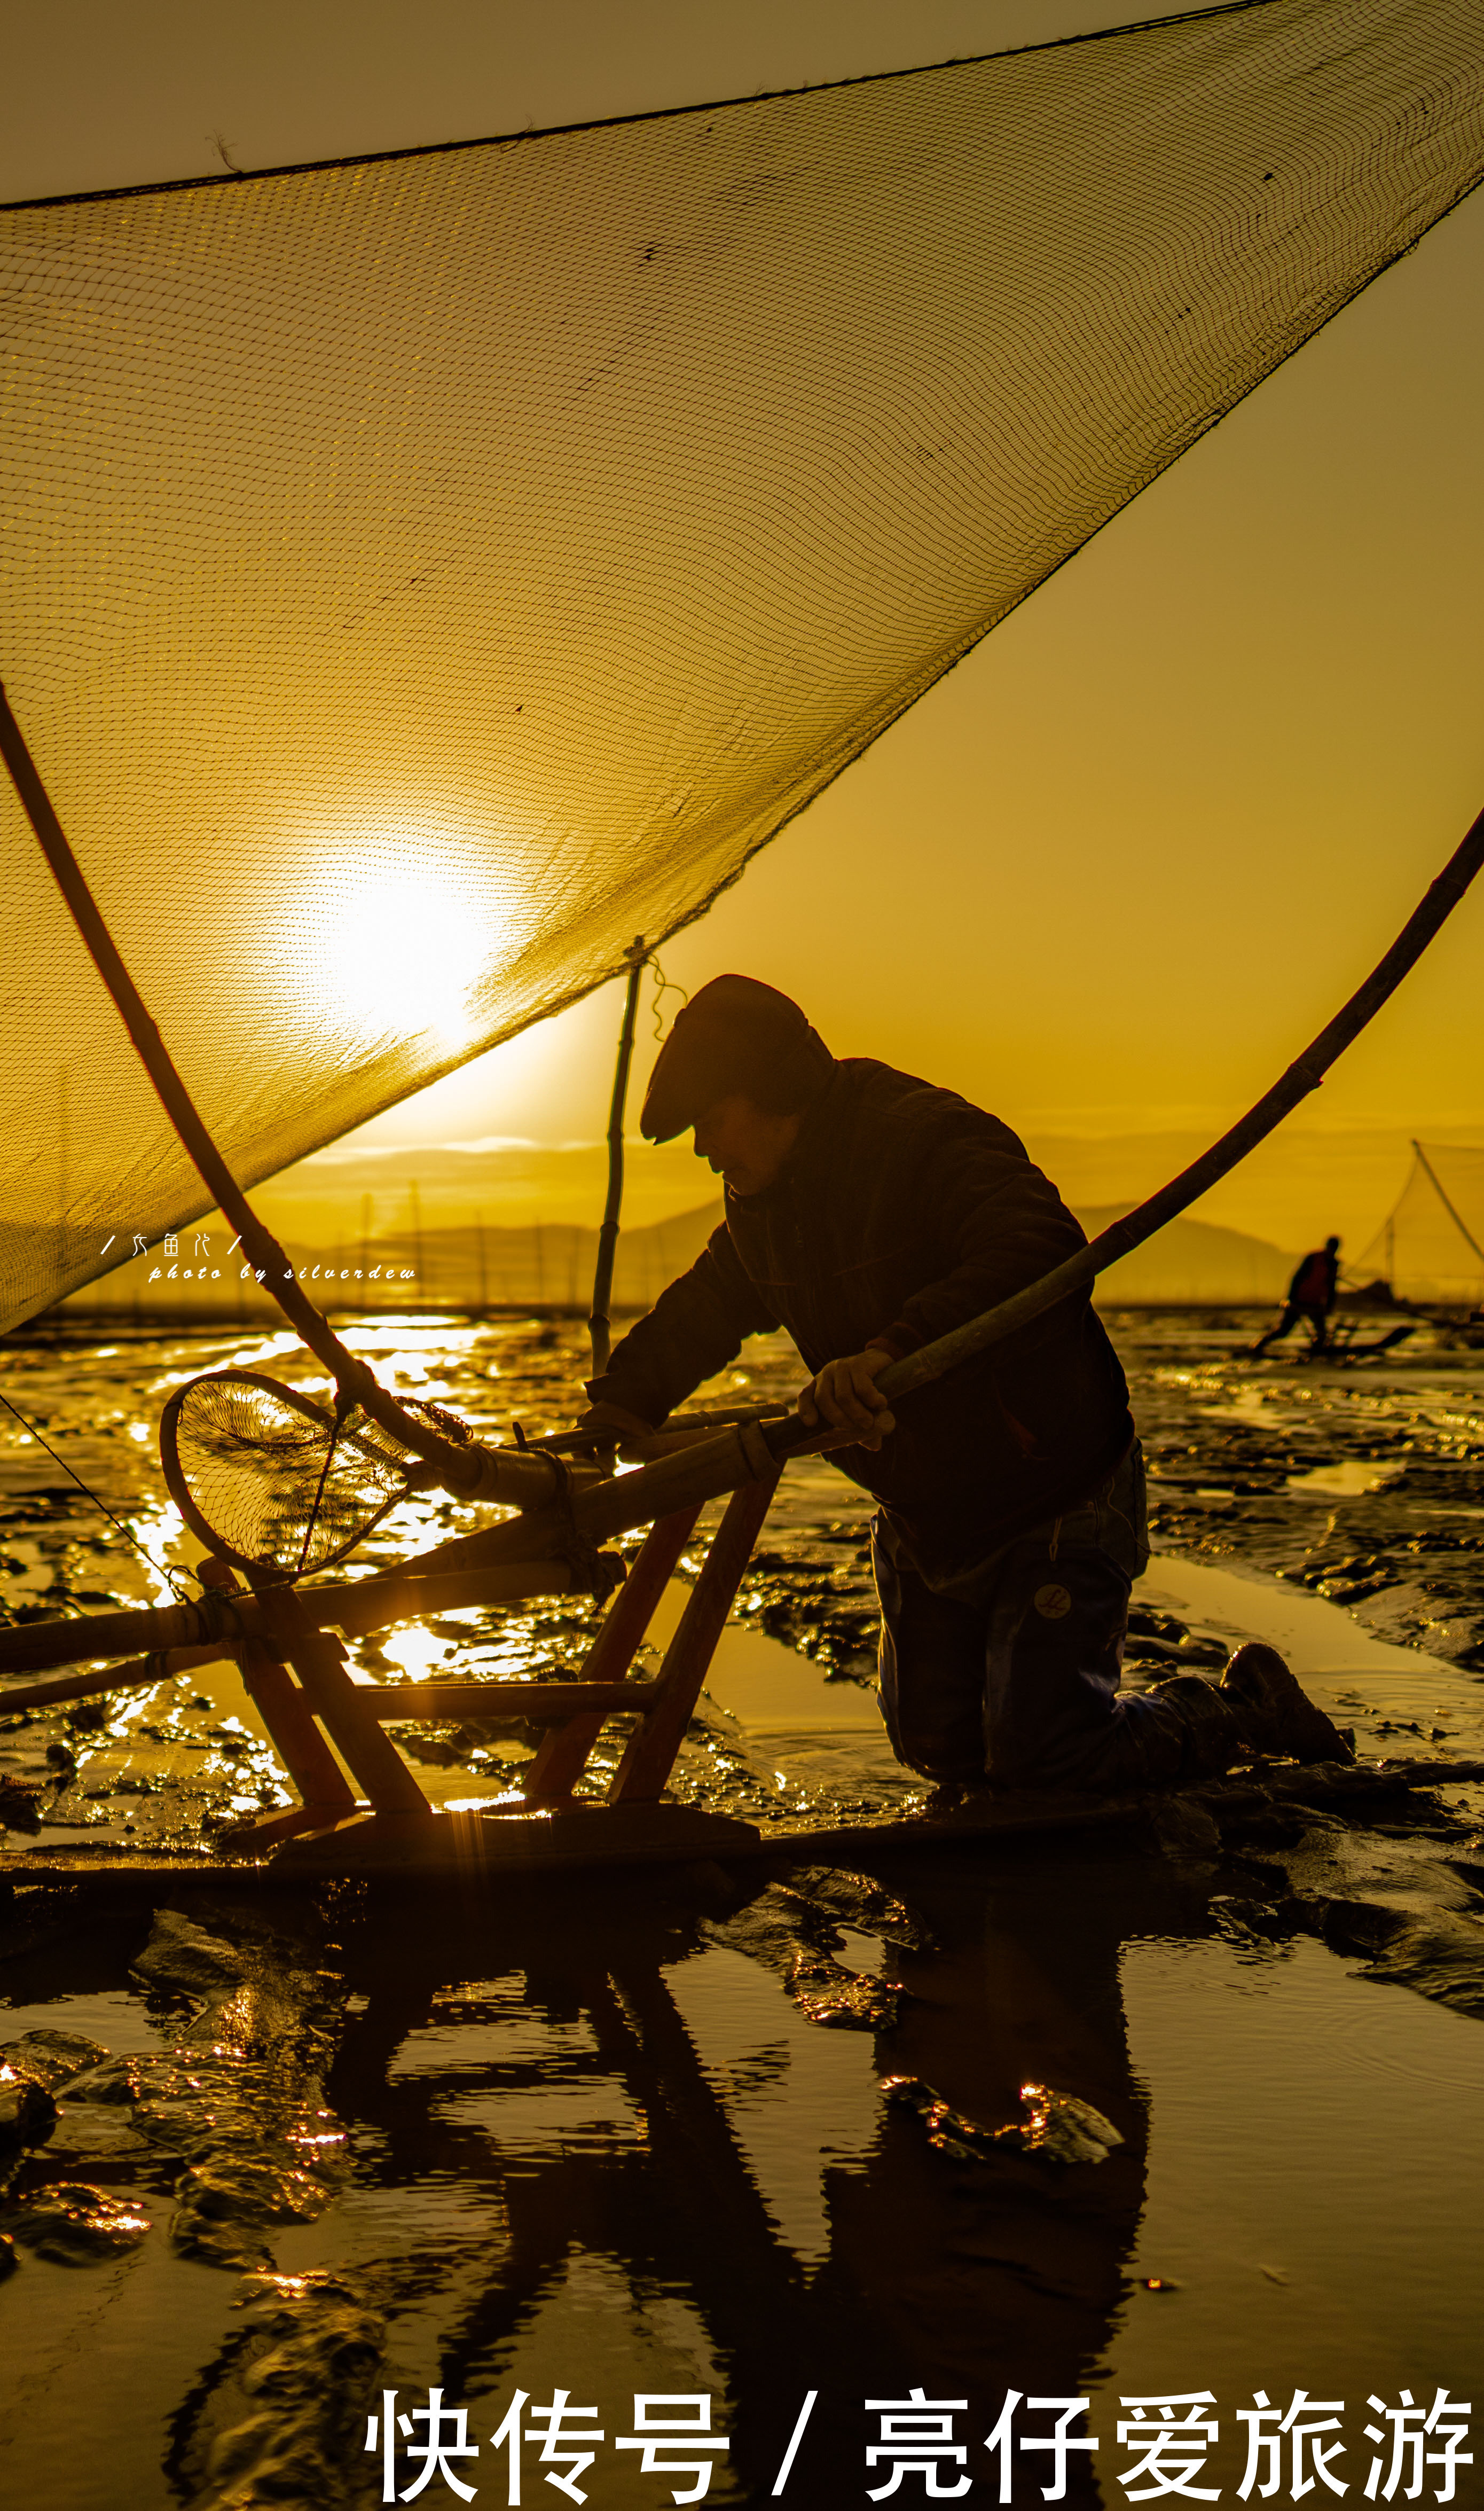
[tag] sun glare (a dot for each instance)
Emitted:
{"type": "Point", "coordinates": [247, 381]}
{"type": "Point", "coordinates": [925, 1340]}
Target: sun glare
{"type": "Point", "coordinates": [404, 951]}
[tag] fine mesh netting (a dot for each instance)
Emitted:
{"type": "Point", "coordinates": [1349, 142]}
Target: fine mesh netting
{"type": "Point", "coordinates": [428, 574]}
{"type": "Point", "coordinates": [1431, 1246]}
{"type": "Point", "coordinates": [264, 1476]}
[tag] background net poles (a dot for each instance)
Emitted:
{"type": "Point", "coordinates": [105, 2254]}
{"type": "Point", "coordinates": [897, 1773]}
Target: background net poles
{"type": "Point", "coordinates": [1446, 1200]}
{"type": "Point", "coordinates": [608, 1234]}
{"type": "Point", "coordinates": [422, 575]}
{"type": "Point", "coordinates": [1431, 1244]}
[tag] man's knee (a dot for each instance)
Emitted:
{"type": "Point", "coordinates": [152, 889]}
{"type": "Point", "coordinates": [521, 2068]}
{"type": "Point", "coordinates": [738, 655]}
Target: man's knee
{"type": "Point", "coordinates": [1056, 1656]}
{"type": "Point", "coordinates": [932, 1703]}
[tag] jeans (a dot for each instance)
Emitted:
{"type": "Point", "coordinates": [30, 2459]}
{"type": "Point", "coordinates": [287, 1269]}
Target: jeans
{"type": "Point", "coordinates": [1012, 1673]}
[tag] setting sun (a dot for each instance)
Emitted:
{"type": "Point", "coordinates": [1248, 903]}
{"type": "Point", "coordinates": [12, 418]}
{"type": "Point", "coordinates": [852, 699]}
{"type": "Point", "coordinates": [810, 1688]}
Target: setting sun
{"type": "Point", "coordinates": [402, 951]}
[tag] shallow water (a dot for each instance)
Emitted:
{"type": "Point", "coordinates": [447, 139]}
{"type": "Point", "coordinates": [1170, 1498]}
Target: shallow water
{"type": "Point", "coordinates": [586, 2138]}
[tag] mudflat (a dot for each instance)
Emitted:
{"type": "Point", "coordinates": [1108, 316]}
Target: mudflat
{"type": "Point", "coordinates": [1189, 2105]}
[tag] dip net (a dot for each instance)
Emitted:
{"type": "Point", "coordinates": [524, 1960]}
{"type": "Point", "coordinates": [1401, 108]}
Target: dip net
{"type": "Point", "coordinates": [426, 574]}
{"type": "Point", "coordinates": [269, 1478]}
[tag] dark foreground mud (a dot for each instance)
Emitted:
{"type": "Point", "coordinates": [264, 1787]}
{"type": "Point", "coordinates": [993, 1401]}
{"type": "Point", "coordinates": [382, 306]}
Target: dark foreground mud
{"type": "Point", "coordinates": [1189, 2103]}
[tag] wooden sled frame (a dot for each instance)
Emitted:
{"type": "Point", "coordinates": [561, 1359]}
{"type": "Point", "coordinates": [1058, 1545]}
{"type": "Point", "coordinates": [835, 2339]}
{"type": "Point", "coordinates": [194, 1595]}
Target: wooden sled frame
{"type": "Point", "coordinates": [310, 1686]}
{"type": "Point", "coordinates": [292, 1655]}
{"type": "Point", "coordinates": [288, 1645]}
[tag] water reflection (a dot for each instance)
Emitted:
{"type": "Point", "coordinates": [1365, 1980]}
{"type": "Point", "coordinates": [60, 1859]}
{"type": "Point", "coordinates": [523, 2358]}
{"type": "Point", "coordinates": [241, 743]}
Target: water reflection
{"type": "Point", "coordinates": [591, 2143]}
{"type": "Point", "coordinates": [647, 2161]}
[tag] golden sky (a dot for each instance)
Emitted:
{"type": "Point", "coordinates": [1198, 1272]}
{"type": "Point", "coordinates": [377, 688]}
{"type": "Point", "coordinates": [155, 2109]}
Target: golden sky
{"type": "Point", "coordinates": [1117, 869]}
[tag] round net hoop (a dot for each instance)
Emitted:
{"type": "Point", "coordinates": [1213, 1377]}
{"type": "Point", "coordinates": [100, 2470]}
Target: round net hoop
{"type": "Point", "coordinates": [269, 1479]}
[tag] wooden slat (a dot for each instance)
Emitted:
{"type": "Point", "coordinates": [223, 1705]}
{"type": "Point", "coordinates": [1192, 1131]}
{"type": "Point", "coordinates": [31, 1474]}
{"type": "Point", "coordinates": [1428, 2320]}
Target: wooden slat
{"type": "Point", "coordinates": [651, 1754]}
{"type": "Point", "coordinates": [296, 1738]}
{"type": "Point", "coordinates": [563, 1756]}
{"type": "Point", "coordinates": [319, 1661]}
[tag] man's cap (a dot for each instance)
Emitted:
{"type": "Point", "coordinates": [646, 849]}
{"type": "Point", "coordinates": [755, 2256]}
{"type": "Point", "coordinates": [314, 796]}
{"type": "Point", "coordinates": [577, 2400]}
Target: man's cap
{"type": "Point", "coordinates": [736, 1034]}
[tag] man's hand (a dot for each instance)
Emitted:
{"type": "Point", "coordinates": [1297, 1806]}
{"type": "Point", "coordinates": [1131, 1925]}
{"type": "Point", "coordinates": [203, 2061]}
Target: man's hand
{"type": "Point", "coordinates": [845, 1396]}
{"type": "Point", "coordinates": [608, 1426]}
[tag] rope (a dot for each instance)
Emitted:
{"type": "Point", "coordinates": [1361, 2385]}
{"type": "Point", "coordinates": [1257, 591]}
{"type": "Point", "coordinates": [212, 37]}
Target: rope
{"type": "Point", "coordinates": [344, 1403]}
{"type": "Point", "coordinates": [171, 1578]}
{"type": "Point", "coordinates": [663, 985]}
{"type": "Point", "coordinates": [216, 1612]}
{"type": "Point", "coordinates": [598, 1571]}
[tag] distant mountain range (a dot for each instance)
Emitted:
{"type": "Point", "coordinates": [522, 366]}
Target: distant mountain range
{"type": "Point", "coordinates": [1191, 1263]}
{"type": "Point", "coordinates": [551, 1265]}
{"type": "Point", "coordinates": [534, 1207]}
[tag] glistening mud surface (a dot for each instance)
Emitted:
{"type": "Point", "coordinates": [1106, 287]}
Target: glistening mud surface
{"type": "Point", "coordinates": [634, 2137]}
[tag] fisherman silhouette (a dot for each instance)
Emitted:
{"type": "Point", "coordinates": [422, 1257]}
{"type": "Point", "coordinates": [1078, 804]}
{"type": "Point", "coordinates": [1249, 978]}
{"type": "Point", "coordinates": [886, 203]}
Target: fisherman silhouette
{"type": "Point", "coordinates": [1310, 1299]}
{"type": "Point", "coordinates": [867, 1213]}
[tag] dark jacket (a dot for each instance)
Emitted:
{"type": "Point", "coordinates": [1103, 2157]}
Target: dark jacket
{"type": "Point", "coordinates": [1316, 1281]}
{"type": "Point", "coordinates": [903, 1211]}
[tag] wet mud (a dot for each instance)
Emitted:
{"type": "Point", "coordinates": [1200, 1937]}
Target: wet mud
{"type": "Point", "coordinates": [951, 2120]}
{"type": "Point", "coordinates": [1362, 1481]}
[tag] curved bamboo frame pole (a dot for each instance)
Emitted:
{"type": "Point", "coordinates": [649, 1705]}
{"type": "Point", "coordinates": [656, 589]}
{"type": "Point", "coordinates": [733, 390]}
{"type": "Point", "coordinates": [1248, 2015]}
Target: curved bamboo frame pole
{"type": "Point", "coordinates": [720, 1464]}
{"type": "Point", "coordinates": [136, 1673]}
{"type": "Point", "coordinates": [470, 1470]}
{"type": "Point", "coordinates": [608, 1234]}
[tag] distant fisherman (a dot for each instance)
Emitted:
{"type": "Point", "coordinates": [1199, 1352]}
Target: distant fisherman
{"type": "Point", "coordinates": [868, 1213]}
{"type": "Point", "coordinates": [1310, 1299]}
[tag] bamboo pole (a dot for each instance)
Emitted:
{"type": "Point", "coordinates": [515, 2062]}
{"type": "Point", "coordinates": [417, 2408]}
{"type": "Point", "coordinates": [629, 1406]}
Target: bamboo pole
{"type": "Point", "coordinates": [608, 1234]}
{"type": "Point", "coordinates": [358, 1608]}
{"type": "Point", "coordinates": [680, 1427]}
{"type": "Point", "coordinates": [748, 1453]}
{"type": "Point", "coordinates": [468, 1470]}
{"type": "Point", "coordinates": [337, 1703]}
{"type": "Point", "coordinates": [283, 1707]}
{"type": "Point", "coordinates": [704, 1468]}
{"type": "Point", "coordinates": [138, 1673]}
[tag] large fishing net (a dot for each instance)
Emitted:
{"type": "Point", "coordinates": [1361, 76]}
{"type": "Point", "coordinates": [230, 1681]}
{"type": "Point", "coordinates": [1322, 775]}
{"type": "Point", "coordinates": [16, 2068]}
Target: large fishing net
{"type": "Point", "coordinates": [429, 573]}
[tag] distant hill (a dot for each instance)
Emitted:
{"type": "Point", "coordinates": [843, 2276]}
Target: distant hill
{"type": "Point", "coordinates": [427, 1208]}
{"type": "Point", "coordinates": [1297, 1186]}
{"type": "Point", "coordinates": [1190, 1265]}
